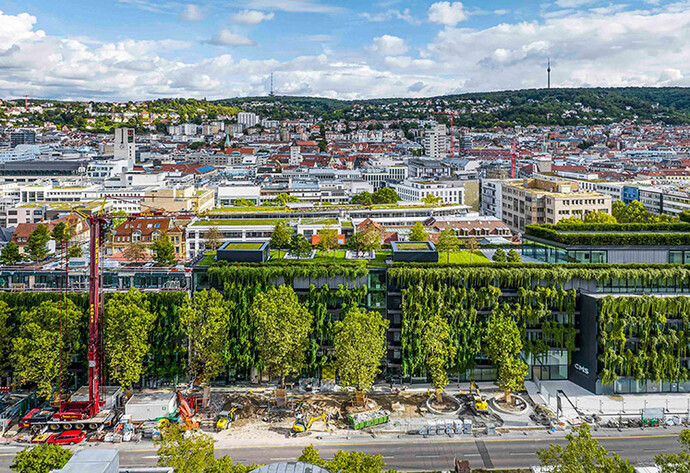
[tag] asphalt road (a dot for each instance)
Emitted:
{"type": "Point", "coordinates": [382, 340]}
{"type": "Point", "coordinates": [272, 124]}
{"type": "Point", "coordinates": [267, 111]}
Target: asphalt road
{"type": "Point", "coordinates": [416, 453]}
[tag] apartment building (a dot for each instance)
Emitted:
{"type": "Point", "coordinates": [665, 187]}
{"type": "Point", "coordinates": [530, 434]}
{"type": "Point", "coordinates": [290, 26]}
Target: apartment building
{"type": "Point", "coordinates": [534, 201]}
{"type": "Point", "coordinates": [451, 192]}
{"type": "Point", "coordinates": [184, 199]}
{"type": "Point", "coordinates": [435, 141]}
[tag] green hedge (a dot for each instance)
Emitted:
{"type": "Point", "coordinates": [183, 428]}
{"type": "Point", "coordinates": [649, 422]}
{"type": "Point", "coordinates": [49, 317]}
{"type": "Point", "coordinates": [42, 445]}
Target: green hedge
{"type": "Point", "coordinates": [618, 227]}
{"type": "Point", "coordinates": [613, 239]}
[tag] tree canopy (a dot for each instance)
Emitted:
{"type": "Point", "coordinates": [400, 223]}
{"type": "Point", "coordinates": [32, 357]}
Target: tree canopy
{"type": "Point", "coordinates": [41, 458]}
{"type": "Point", "coordinates": [37, 243]}
{"type": "Point", "coordinates": [206, 322]}
{"type": "Point", "coordinates": [418, 232]}
{"type": "Point", "coordinates": [128, 321]}
{"type": "Point", "coordinates": [41, 354]}
{"type": "Point", "coordinates": [164, 251]}
{"type": "Point", "coordinates": [582, 454]}
{"type": "Point", "coordinates": [10, 254]}
{"type": "Point", "coordinates": [280, 237]}
{"type": "Point", "coordinates": [360, 345]}
{"type": "Point", "coordinates": [438, 351]}
{"type": "Point", "coordinates": [676, 462]}
{"type": "Point", "coordinates": [283, 328]}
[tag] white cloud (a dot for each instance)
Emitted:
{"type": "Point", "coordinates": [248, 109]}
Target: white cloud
{"type": "Point", "coordinates": [251, 17]}
{"type": "Point", "coordinates": [391, 14]}
{"type": "Point", "coordinates": [573, 3]}
{"type": "Point", "coordinates": [588, 48]}
{"type": "Point", "coordinates": [388, 45]}
{"type": "Point", "coordinates": [192, 13]}
{"type": "Point", "coordinates": [447, 13]}
{"type": "Point", "coordinates": [226, 37]}
{"type": "Point", "coordinates": [296, 6]}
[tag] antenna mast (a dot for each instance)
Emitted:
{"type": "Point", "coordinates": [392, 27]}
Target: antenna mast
{"type": "Point", "coordinates": [548, 74]}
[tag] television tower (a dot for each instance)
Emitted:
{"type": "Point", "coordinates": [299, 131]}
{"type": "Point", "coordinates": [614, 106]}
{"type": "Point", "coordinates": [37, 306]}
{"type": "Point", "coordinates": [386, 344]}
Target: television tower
{"type": "Point", "coordinates": [271, 94]}
{"type": "Point", "coordinates": [548, 74]}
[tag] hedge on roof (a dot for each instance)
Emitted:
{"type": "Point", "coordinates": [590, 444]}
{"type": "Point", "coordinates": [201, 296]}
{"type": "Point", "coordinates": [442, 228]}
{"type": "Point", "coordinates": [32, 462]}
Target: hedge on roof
{"type": "Point", "coordinates": [551, 233]}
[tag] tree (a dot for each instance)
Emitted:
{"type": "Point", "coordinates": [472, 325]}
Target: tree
{"type": "Point", "coordinates": [322, 146]}
{"type": "Point", "coordinates": [42, 458]}
{"type": "Point", "coordinates": [513, 256]}
{"type": "Point", "coordinates": [283, 328]}
{"type": "Point", "coordinates": [385, 195]}
{"type": "Point", "coordinates": [75, 251]}
{"type": "Point", "coordinates": [472, 245]}
{"type": "Point", "coordinates": [503, 344]}
{"type": "Point", "coordinates": [36, 244]}
{"type": "Point", "coordinates": [184, 451]}
{"type": "Point", "coordinates": [61, 233]}
{"type": "Point", "coordinates": [583, 454]}
{"type": "Point", "coordinates": [213, 238]}
{"type": "Point", "coordinates": [345, 462]}
{"type": "Point", "coordinates": [242, 203]}
{"type": "Point", "coordinates": [40, 354]}
{"type": "Point", "coordinates": [367, 240]}
{"type": "Point", "coordinates": [438, 351]}
{"type": "Point", "coordinates": [447, 241]}
{"type": "Point", "coordinates": [300, 246]}
{"type": "Point", "coordinates": [280, 237]}
{"type": "Point", "coordinates": [363, 198]}
{"type": "Point", "coordinates": [311, 455]}
{"type": "Point", "coordinates": [135, 251]}
{"type": "Point", "coordinates": [418, 233]}
{"type": "Point", "coordinates": [10, 254]}
{"type": "Point", "coordinates": [499, 256]}
{"type": "Point", "coordinates": [431, 199]}
{"type": "Point", "coordinates": [6, 332]}
{"type": "Point", "coordinates": [284, 198]}
{"type": "Point", "coordinates": [599, 217]}
{"type": "Point", "coordinates": [206, 321]}
{"type": "Point", "coordinates": [128, 322]}
{"type": "Point", "coordinates": [360, 344]}
{"type": "Point", "coordinates": [329, 240]}
{"type": "Point", "coordinates": [676, 462]}
{"type": "Point", "coordinates": [164, 251]}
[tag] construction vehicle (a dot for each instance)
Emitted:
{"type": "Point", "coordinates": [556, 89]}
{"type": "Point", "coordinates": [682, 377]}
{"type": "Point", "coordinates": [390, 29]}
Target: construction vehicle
{"type": "Point", "coordinates": [303, 426]}
{"type": "Point", "coordinates": [225, 418]}
{"type": "Point", "coordinates": [186, 414]}
{"type": "Point", "coordinates": [478, 403]}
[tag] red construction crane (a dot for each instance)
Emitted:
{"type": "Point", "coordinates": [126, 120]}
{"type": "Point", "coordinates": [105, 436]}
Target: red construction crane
{"type": "Point", "coordinates": [99, 225]}
{"type": "Point", "coordinates": [513, 161]}
{"type": "Point", "coordinates": [452, 142]}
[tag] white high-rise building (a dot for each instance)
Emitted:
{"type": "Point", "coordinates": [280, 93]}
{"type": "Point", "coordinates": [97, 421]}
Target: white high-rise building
{"type": "Point", "coordinates": [125, 145]}
{"type": "Point", "coordinates": [247, 119]}
{"type": "Point", "coordinates": [435, 142]}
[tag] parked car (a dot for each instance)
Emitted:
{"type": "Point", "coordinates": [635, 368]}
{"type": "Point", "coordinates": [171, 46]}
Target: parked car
{"type": "Point", "coordinates": [68, 437]}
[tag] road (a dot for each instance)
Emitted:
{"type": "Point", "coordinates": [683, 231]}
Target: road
{"type": "Point", "coordinates": [416, 453]}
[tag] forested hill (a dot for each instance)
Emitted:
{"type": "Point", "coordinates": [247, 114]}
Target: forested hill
{"type": "Point", "coordinates": [524, 107]}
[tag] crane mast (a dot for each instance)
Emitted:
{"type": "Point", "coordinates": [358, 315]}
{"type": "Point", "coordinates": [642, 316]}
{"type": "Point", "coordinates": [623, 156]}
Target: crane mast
{"type": "Point", "coordinates": [96, 224]}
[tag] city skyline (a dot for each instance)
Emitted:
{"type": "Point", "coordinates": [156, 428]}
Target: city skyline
{"type": "Point", "coordinates": [142, 49]}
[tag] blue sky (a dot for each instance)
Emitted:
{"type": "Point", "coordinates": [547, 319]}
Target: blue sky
{"type": "Point", "coordinates": [137, 49]}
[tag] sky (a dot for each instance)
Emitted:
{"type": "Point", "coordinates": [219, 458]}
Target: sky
{"type": "Point", "coordinates": [147, 49]}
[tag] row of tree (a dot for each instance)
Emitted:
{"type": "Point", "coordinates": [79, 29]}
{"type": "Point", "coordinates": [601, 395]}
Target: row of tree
{"type": "Point", "coordinates": [37, 247]}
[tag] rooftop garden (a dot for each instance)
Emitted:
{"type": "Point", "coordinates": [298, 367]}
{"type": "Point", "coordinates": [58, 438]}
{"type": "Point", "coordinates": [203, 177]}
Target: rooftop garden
{"type": "Point", "coordinates": [242, 246]}
{"type": "Point", "coordinates": [413, 246]}
{"type": "Point", "coordinates": [613, 234]}
{"type": "Point", "coordinates": [248, 222]}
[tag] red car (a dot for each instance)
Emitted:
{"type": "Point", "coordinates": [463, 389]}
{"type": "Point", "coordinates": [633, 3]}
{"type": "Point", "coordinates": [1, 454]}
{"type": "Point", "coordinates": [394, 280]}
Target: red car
{"type": "Point", "coordinates": [68, 437]}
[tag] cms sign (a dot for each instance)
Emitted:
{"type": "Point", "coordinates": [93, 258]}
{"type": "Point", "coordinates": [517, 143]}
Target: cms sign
{"type": "Point", "coordinates": [581, 369]}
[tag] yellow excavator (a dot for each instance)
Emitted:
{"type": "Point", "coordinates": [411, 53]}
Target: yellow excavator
{"type": "Point", "coordinates": [479, 404]}
{"type": "Point", "coordinates": [302, 425]}
{"type": "Point", "coordinates": [225, 418]}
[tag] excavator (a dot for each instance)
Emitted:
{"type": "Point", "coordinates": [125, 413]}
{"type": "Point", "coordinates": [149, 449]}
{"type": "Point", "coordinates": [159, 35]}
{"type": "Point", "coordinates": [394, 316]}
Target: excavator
{"type": "Point", "coordinates": [479, 404]}
{"type": "Point", "coordinates": [302, 426]}
{"type": "Point", "coordinates": [186, 414]}
{"type": "Point", "coordinates": [225, 418]}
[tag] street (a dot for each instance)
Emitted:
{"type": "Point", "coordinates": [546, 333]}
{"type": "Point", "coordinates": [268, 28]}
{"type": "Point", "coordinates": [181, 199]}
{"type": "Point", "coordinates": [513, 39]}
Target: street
{"type": "Point", "coordinates": [415, 453]}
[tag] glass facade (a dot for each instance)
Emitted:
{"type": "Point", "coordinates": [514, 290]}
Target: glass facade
{"type": "Point", "coordinates": [555, 254]}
